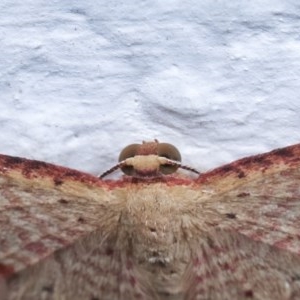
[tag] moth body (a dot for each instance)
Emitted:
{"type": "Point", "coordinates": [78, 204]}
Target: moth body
{"type": "Point", "coordinates": [231, 233]}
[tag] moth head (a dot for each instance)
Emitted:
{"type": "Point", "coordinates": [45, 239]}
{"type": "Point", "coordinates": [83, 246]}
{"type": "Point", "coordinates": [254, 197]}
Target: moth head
{"type": "Point", "coordinates": [149, 159]}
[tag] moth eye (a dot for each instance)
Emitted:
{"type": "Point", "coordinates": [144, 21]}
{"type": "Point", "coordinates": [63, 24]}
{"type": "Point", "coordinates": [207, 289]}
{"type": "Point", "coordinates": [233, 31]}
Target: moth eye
{"type": "Point", "coordinates": [171, 152]}
{"type": "Point", "coordinates": [127, 152]}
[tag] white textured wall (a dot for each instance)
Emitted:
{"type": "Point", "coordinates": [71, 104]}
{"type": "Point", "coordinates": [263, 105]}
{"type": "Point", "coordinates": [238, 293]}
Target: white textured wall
{"type": "Point", "coordinates": [81, 79]}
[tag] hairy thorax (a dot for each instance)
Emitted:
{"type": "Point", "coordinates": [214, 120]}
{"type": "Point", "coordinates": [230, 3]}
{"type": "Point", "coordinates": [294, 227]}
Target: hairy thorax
{"type": "Point", "coordinates": [157, 228]}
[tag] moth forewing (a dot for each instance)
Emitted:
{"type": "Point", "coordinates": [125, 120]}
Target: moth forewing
{"type": "Point", "coordinates": [231, 233]}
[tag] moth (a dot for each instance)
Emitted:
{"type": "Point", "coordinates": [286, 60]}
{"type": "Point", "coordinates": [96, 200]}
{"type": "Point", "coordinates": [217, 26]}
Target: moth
{"type": "Point", "coordinates": [155, 233]}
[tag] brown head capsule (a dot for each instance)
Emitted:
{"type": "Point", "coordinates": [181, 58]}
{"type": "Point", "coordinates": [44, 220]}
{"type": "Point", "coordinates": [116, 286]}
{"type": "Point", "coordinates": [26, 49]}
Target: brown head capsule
{"type": "Point", "coordinates": [149, 159]}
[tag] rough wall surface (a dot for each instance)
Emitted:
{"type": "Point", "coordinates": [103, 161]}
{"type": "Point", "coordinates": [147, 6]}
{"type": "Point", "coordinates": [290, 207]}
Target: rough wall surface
{"type": "Point", "coordinates": [81, 79]}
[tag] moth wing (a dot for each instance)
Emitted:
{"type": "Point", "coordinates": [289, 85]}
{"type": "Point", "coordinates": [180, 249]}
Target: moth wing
{"type": "Point", "coordinates": [61, 231]}
{"type": "Point", "coordinates": [59, 236]}
{"type": "Point", "coordinates": [250, 245]}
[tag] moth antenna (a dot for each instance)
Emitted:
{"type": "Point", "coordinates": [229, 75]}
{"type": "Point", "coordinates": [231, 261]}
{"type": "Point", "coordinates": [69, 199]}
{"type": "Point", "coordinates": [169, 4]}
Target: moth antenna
{"type": "Point", "coordinates": [111, 170]}
{"type": "Point", "coordinates": [179, 165]}
{"type": "Point", "coordinates": [189, 169]}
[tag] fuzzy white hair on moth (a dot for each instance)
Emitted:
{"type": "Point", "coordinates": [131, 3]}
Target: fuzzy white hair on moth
{"type": "Point", "coordinates": [230, 233]}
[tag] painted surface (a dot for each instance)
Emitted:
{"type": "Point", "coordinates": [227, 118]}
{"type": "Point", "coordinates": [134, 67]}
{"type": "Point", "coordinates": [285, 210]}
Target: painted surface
{"type": "Point", "coordinates": [80, 80]}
